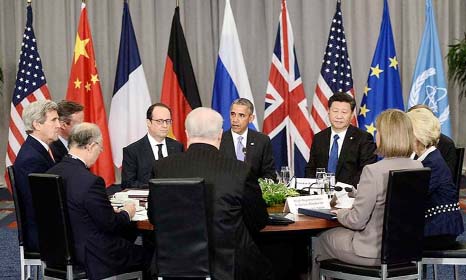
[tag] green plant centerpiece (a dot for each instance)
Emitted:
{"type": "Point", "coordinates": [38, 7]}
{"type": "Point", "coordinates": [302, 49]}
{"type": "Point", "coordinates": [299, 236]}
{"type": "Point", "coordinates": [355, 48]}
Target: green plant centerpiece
{"type": "Point", "coordinates": [456, 58]}
{"type": "Point", "coordinates": [275, 193]}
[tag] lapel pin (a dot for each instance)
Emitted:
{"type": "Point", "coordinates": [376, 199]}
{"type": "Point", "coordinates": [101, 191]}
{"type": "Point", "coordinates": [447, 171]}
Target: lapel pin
{"type": "Point", "coordinates": [252, 144]}
{"type": "Point", "coordinates": [351, 138]}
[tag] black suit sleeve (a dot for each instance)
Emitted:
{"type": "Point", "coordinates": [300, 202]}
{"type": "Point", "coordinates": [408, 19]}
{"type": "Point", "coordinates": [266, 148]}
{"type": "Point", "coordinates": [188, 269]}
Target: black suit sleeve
{"type": "Point", "coordinates": [101, 211]}
{"type": "Point", "coordinates": [254, 208]}
{"type": "Point", "coordinates": [129, 170]}
{"type": "Point", "coordinates": [310, 169]}
{"type": "Point", "coordinates": [366, 155]}
{"type": "Point", "coordinates": [447, 148]}
{"type": "Point", "coordinates": [268, 163]}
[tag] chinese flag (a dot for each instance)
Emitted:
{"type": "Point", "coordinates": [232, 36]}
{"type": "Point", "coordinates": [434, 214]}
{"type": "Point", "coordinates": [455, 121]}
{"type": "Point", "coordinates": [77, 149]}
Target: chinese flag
{"type": "Point", "coordinates": [179, 87]}
{"type": "Point", "coordinates": [84, 88]}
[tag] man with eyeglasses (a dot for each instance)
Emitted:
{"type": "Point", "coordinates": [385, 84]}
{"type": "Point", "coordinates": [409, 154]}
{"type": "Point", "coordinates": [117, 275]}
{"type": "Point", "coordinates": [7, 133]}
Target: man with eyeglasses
{"type": "Point", "coordinates": [139, 158]}
{"type": "Point", "coordinates": [245, 144]}
{"type": "Point", "coordinates": [69, 114]}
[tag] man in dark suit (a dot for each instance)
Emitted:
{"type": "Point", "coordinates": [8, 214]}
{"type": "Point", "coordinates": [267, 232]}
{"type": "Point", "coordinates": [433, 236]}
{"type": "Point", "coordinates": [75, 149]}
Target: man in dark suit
{"type": "Point", "coordinates": [96, 227]}
{"type": "Point", "coordinates": [445, 145]}
{"type": "Point", "coordinates": [245, 144]}
{"type": "Point", "coordinates": [235, 206]}
{"type": "Point", "coordinates": [353, 148]}
{"type": "Point", "coordinates": [70, 114]}
{"type": "Point", "coordinates": [139, 158]}
{"type": "Point", "coordinates": [41, 123]}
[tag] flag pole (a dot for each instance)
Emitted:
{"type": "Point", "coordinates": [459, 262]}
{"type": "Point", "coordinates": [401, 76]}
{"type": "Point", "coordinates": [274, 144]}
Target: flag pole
{"type": "Point", "coordinates": [29, 2]}
{"type": "Point", "coordinates": [177, 3]}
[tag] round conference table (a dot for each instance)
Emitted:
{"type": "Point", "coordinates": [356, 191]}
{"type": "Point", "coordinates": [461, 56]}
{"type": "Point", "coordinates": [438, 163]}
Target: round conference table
{"type": "Point", "coordinates": [302, 223]}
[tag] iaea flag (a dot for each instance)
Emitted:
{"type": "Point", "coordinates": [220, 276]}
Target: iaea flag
{"type": "Point", "coordinates": [429, 86]}
{"type": "Point", "coordinates": [231, 79]}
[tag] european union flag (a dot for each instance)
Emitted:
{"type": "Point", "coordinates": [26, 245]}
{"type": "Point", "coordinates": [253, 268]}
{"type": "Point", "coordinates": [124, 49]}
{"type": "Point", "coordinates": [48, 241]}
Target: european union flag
{"type": "Point", "coordinates": [383, 89]}
{"type": "Point", "coordinates": [429, 85]}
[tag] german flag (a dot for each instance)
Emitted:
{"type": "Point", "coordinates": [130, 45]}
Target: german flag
{"type": "Point", "coordinates": [179, 87]}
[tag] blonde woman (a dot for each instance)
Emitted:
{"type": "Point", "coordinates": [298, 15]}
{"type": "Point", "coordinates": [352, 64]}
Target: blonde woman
{"type": "Point", "coordinates": [443, 218]}
{"type": "Point", "coordinates": [359, 241]}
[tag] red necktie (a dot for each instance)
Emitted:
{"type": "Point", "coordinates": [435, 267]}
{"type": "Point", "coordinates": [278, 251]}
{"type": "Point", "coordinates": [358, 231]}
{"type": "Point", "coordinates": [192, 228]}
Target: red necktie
{"type": "Point", "coordinates": [51, 155]}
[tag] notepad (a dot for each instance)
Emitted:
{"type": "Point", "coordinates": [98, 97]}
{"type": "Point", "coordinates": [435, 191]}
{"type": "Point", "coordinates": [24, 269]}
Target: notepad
{"type": "Point", "coordinates": [318, 213]}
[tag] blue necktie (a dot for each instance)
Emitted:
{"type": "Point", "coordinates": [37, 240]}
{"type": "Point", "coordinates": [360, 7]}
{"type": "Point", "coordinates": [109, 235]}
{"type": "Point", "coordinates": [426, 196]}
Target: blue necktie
{"type": "Point", "coordinates": [333, 158]}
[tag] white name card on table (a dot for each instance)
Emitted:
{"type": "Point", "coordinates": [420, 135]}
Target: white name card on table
{"type": "Point", "coordinates": [301, 183]}
{"type": "Point", "coordinates": [320, 201]}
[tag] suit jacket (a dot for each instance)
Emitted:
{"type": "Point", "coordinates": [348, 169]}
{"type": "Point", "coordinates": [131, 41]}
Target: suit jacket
{"type": "Point", "coordinates": [442, 194]}
{"type": "Point", "coordinates": [366, 216]}
{"type": "Point", "coordinates": [96, 228]}
{"type": "Point", "coordinates": [357, 151]}
{"type": "Point", "coordinates": [32, 158]}
{"type": "Point", "coordinates": [447, 148]}
{"type": "Point", "coordinates": [234, 205]}
{"type": "Point", "coordinates": [259, 154]}
{"type": "Point", "coordinates": [58, 150]}
{"type": "Point", "coordinates": [139, 160]}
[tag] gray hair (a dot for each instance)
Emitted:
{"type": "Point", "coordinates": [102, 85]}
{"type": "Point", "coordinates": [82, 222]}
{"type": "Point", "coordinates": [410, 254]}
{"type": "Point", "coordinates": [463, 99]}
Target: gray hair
{"type": "Point", "coordinates": [204, 123]}
{"type": "Point", "coordinates": [36, 111]}
{"type": "Point", "coordinates": [83, 134]}
{"type": "Point", "coordinates": [245, 102]}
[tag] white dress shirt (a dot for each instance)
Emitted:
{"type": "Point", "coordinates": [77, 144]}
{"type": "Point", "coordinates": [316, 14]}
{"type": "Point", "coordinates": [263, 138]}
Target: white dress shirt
{"type": "Point", "coordinates": [342, 135]}
{"type": "Point", "coordinates": [153, 144]}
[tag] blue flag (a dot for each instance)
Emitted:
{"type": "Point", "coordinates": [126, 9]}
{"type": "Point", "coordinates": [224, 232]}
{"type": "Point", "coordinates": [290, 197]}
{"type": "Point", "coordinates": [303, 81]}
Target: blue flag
{"type": "Point", "coordinates": [429, 85]}
{"type": "Point", "coordinates": [383, 89]}
{"type": "Point", "coordinates": [231, 80]}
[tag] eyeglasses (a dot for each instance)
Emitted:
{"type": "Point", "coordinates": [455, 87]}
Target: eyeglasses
{"type": "Point", "coordinates": [161, 121]}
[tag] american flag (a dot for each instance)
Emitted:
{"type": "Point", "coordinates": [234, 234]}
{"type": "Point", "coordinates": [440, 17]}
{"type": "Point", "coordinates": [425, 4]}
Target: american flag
{"type": "Point", "coordinates": [286, 116]}
{"type": "Point", "coordinates": [335, 74]}
{"type": "Point", "coordinates": [30, 86]}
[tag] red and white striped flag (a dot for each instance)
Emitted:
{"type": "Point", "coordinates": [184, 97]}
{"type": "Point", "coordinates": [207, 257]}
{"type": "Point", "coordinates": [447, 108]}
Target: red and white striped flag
{"type": "Point", "coordinates": [30, 86]}
{"type": "Point", "coordinates": [335, 74]}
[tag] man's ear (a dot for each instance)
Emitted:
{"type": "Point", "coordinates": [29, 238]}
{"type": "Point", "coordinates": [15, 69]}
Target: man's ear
{"type": "Point", "coordinates": [251, 118]}
{"type": "Point", "coordinates": [36, 125]}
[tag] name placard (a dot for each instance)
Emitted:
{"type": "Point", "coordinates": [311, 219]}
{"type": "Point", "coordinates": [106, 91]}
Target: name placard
{"type": "Point", "coordinates": [300, 183]}
{"type": "Point", "coordinates": [311, 201]}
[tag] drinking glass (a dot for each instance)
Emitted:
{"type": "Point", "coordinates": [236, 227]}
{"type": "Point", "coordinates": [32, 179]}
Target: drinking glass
{"type": "Point", "coordinates": [320, 177]}
{"type": "Point", "coordinates": [285, 174]}
{"type": "Point", "coordinates": [331, 184]}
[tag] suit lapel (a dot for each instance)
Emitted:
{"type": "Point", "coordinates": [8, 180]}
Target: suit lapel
{"type": "Point", "coordinates": [170, 146]}
{"type": "Point", "coordinates": [147, 150]}
{"type": "Point", "coordinates": [326, 147]}
{"type": "Point", "coordinates": [229, 147]}
{"type": "Point", "coordinates": [347, 146]}
{"type": "Point", "coordinates": [250, 146]}
{"type": "Point", "coordinates": [36, 145]}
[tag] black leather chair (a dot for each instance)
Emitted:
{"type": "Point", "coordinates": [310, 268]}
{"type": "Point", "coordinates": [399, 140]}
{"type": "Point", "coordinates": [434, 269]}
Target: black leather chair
{"type": "Point", "coordinates": [457, 254]}
{"type": "Point", "coordinates": [178, 212]}
{"type": "Point", "coordinates": [403, 232]}
{"type": "Point", "coordinates": [28, 259]}
{"type": "Point", "coordinates": [55, 235]}
{"type": "Point", "coordinates": [458, 167]}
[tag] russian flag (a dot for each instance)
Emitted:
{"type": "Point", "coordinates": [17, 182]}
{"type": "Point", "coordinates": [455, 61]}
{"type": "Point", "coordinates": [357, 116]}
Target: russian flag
{"type": "Point", "coordinates": [231, 79]}
{"type": "Point", "coordinates": [130, 94]}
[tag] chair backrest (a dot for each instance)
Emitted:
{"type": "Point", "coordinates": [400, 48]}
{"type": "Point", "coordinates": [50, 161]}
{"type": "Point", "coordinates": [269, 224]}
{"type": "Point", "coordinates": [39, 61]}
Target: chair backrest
{"type": "Point", "coordinates": [458, 167]}
{"type": "Point", "coordinates": [49, 201]}
{"type": "Point", "coordinates": [178, 212]}
{"type": "Point", "coordinates": [18, 205]}
{"type": "Point", "coordinates": [403, 226]}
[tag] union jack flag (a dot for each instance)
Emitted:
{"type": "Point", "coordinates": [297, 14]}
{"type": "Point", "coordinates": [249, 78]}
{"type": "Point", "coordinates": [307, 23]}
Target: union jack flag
{"type": "Point", "coordinates": [335, 74]}
{"type": "Point", "coordinates": [286, 116]}
{"type": "Point", "coordinates": [30, 86]}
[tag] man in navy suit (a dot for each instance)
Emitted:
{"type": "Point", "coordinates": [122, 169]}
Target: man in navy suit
{"type": "Point", "coordinates": [97, 228]}
{"type": "Point", "coordinates": [70, 114]}
{"type": "Point", "coordinates": [245, 144]}
{"type": "Point", "coordinates": [354, 147]}
{"type": "Point", "coordinates": [139, 158]}
{"type": "Point", "coordinates": [41, 123]}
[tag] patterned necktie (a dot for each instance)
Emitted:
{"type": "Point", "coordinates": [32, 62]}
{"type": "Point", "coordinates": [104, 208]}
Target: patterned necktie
{"type": "Point", "coordinates": [240, 149]}
{"type": "Point", "coordinates": [159, 151]}
{"type": "Point", "coordinates": [51, 155]}
{"type": "Point", "coordinates": [333, 158]}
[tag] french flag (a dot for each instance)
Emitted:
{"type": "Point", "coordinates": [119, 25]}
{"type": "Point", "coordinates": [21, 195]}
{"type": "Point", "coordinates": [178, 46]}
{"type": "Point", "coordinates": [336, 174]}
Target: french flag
{"type": "Point", "coordinates": [130, 94]}
{"type": "Point", "coordinates": [231, 79]}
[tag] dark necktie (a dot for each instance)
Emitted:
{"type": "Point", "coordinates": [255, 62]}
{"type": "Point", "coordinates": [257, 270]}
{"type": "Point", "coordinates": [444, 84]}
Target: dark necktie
{"type": "Point", "coordinates": [333, 158]}
{"type": "Point", "coordinates": [159, 152]}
